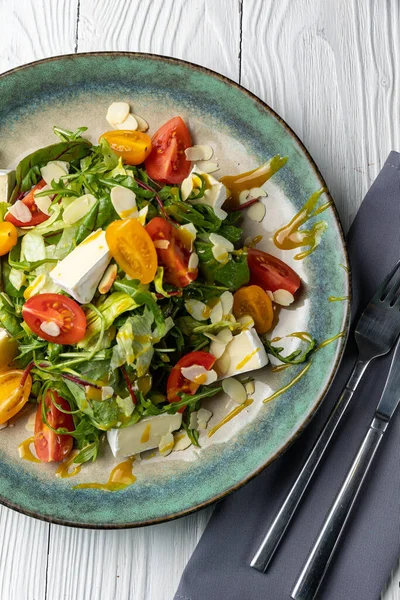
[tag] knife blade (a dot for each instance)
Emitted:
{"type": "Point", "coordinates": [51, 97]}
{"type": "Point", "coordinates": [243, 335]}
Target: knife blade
{"type": "Point", "coordinates": [320, 556]}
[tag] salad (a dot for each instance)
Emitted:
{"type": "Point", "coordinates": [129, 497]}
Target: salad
{"type": "Point", "coordinates": [127, 292]}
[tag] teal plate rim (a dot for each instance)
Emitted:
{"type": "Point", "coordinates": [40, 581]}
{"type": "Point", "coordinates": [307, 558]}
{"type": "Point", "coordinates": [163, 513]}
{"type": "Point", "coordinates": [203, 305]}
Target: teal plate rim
{"type": "Point", "coordinates": [343, 341]}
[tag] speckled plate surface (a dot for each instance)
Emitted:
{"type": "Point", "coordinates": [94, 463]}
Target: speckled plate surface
{"type": "Point", "coordinates": [76, 90]}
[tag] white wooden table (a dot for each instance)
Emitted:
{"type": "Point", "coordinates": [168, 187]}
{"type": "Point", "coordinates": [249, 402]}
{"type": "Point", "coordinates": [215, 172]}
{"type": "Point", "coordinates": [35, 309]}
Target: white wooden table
{"type": "Point", "coordinates": [331, 69]}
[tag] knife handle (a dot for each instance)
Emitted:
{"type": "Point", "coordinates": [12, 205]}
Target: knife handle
{"type": "Point", "coordinates": [281, 522]}
{"type": "Point", "coordinates": [325, 545]}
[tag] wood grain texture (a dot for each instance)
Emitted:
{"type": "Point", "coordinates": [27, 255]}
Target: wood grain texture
{"type": "Point", "coordinates": [32, 30]}
{"type": "Point", "coordinates": [331, 69]}
{"type": "Point", "coordinates": [201, 31]}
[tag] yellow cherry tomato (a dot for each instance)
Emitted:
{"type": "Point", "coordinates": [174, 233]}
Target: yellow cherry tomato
{"type": "Point", "coordinates": [132, 248]}
{"type": "Point", "coordinates": [253, 301]}
{"type": "Point", "coordinates": [8, 237]}
{"type": "Point", "coordinates": [133, 146]}
{"type": "Point", "coordinates": [8, 349]}
{"type": "Point", "coordinates": [13, 395]}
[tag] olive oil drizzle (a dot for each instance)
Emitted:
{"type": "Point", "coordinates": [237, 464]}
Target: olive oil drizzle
{"type": "Point", "coordinates": [290, 236]}
{"type": "Point", "coordinates": [120, 478]}
{"type": "Point", "coordinates": [330, 340]}
{"type": "Point", "coordinates": [25, 451]}
{"type": "Point", "coordinates": [338, 298]}
{"type": "Point", "coordinates": [291, 383]}
{"type": "Point", "coordinates": [230, 416]}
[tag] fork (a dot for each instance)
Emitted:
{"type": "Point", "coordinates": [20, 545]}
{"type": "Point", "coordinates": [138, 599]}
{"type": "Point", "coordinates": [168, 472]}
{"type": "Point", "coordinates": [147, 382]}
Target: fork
{"type": "Point", "coordinates": [375, 334]}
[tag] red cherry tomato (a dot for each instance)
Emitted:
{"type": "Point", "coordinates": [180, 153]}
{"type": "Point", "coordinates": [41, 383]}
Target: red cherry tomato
{"type": "Point", "coordinates": [270, 273]}
{"type": "Point", "coordinates": [51, 446]}
{"type": "Point", "coordinates": [29, 200]}
{"type": "Point", "coordinates": [175, 258]}
{"type": "Point", "coordinates": [167, 161]}
{"type": "Point", "coordinates": [178, 383]}
{"type": "Point", "coordinates": [65, 313]}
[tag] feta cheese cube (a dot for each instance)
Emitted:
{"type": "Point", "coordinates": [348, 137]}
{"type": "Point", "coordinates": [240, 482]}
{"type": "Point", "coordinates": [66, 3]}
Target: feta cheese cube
{"type": "Point", "coordinates": [245, 352]}
{"type": "Point", "coordinates": [7, 183]}
{"type": "Point", "coordinates": [80, 272]}
{"type": "Point", "coordinates": [143, 435]}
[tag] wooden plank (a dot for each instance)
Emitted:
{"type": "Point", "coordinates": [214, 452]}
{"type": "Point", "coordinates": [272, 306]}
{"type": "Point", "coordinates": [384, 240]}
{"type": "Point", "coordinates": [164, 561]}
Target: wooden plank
{"type": "Point", "coordinates": [23, 556]}
{"type": "Point", "coordinates": [30, 31]}
{"type": "Point", "coordinates": [202, 31]}
{"type": "Point", "coordinates": [330, 69]}
{"type": "Point", "coordinates": [141, 563]}
{"type": "Point", "coordinates": [33, 30]}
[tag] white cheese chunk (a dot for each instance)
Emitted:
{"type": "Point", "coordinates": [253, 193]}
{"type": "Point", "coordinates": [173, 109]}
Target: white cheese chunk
{"type": "Point", "coordinates": [7, 183]}
{"type": "Point", "coordinates": [80, 272]}
{"type": "Point", "coordinates": [245, 352]}
{"type": "Point", "coordinates": [143, 435]}
{"type": "Point", "coordinates": [214, 195]}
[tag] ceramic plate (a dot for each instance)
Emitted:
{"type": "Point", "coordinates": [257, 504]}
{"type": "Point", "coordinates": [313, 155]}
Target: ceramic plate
{"type": "Point", "coordinates": [76, 90]}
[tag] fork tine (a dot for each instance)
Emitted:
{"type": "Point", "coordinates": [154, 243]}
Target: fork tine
{"type": "Point", "coordinates": [393, 293]}
{"type": "Point", "coordinates": [385, 287]}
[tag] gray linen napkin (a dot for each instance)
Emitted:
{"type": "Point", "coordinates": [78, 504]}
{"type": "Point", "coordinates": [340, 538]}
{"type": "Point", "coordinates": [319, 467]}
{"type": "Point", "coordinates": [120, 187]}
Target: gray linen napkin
{"type": "Point", "coordinates": [219, 568]}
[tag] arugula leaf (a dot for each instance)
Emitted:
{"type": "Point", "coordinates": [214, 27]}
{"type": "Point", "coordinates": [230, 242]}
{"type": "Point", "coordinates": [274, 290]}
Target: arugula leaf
{"type": "Point", "coordinates": [65, 135]}
{"type": "Point", "coordinates": [140, 296]}
{"type": "Point", "coordinates": [87, 226]}
{"type": "Point", "coordinates": [28, 171]}
{"type": "Point", "coordinates": [296, 357]}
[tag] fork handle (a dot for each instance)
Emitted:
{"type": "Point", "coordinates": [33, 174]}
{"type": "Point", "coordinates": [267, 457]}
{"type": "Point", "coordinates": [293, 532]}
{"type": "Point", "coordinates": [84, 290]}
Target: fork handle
{"type": "Point", "coordinates": [324, 547]}
{"type": "Point", "coordinates": [281, 522]}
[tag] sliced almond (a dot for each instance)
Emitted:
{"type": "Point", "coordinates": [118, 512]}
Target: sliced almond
{"type": "Point", "coordinates": [203, 416]}
{"type": "Point", "coordinates": [130, 124]}
{"type": "Point", "coordinates": [117, 112]}
{"type": "Point", "coordinates": [108, 279]}
{"type": "Point", "coordinates": [142, 215]}
{"type": "Point", "coordinates": [257, 192]}
{"type": "Point", "coordinates": [166, 444]}
{"type": "Point", "coordinates": [198, 152]}
{"type": "Point", "coordinates": [106, 392]}
{"type": "Point", "coordinates": [224, 363]}
{"type": "Point", "coordinates": [43, 203]}
{"type": "Point", "coordinates": [189, 233]}
{"type": "Point", "coordinates": [199, 374]}
{"type": "Point", "coordinates": [182, 441]}
{"type": "Point", "coordinates": [244, 196]}
{"type": "Point", "coordinates": [220, 254]}
{"type": "Point", "coordinates": [186, 187]}
{"type": "Point", "coordinates": [20, 211]}
{"type": "Point", "coordinates": [227, 302]}
{"type": "Point", "coordinates": [217, 349]}
{"type": "Point", "coordinates": [161, 244]}
{"type": "Point", "coordinates": [197, 309]}
{"type": "Point", "coordinates": [216, 314]}
{"type": "Point", "coordinates": [78, 208]}
{"type": "Point", "coordinates": [283, 297]}
{"type": "Point", "coordinates": [50, 328]}
{"type": "Point", "coordinates": [124, 202]}
{"type": "Point", "coordinates": [142, 123]}
{"type": "Point", "coordinates": [256, 212]}
{"type": "Point", "coordinates": [246, 322]}
{"type": "Point", "coordinates": [193, 261]}
{"type": "Point", "coordinates": [219, 342]}
{"type": "Point", "coordinates": [219, 240]}
{"type": "Point", "coordinates": [234, 389]}
{"type": "Point", "coordinates": [53, 171]}
{"type": "Point", "coordinates": [270, 295]}
{"type": "Point", "coordinates": [209, 166]}
{"type": "Point", "coordinates": [250, 387]}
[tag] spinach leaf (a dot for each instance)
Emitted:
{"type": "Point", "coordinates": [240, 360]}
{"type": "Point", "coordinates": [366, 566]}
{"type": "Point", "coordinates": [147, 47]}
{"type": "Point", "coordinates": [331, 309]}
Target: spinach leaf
{"type": "Point", "coordinates": [233, 274]}
{"type": "Point", "coordinates": [28, 172]}
{"type": "Point", "coordinates": [87, 226]}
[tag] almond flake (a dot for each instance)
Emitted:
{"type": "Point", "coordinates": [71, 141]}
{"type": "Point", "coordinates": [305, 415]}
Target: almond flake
{"type": "Point", "coordinates": [256, 212]}
{"type": "Point", "coordinates": [20, 211]}
{"type": "Point", "coordinates": [117, 113]}
{"type": "Point", "coordinates": [193, 261]}
{"type": "Point", "coordinates": [234, 389]}
{"type": "Point", "coordinates": [197, 309]}
{"type": "Point", "coordinates": [78, 208]}
{"type": "Point", "coordinates": [186, 187]}
{"type": "Point", "coordinates": [161, 244]}
{"type": "Point", "coordinates": [209, 166]}
{"type": "Point", "coordinates": [108, 279]}
{"type": "Point", "coordinates": [130, 124]}
{"type": "Point", "coordinates": [203, 416]}
{"type": "Point", "coordinates": [182, 441]}
{"type": "Point", "coordinates": [50, 328]}
{"type": "Point", "coordinates": [198, 152]}
{"type": "Point", "coordinates": [216, 314]}
{"type": "Point", "coordinates": [227, 302]}
{"type": "Point", "coordinates": [244, 196]}
{"type": "Point", "coordinates": [124, 202]}
{"type": "Point", "coordinates": [53, 171]}
{"type": "Point", "coordinates": [257, 192]}
{"type": "Point", "coordinates": [283, 297]}
{"type": "Point", "coordinates": [142, 123]}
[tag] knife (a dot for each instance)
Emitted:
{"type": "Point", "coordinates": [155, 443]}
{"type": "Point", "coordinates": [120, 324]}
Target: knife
{"type": "Point", "coordinates": [318, 560]}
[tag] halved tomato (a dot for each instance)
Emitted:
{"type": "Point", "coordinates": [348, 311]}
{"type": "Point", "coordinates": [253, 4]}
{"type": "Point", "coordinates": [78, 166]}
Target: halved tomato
{"type": "Point", "coordinates": [51, 446]}
{"type": "Point", "coordinates": [14, 393]}
{"type": "Point", "coordinates": [29, 200]}
{"type": "Point", "coordinates": [45, 311]}
{"type": "Point", "coordinates": [271, 273]}
{"type": "Point", "coordinates": [167, 161]}
{"type": "Point", "coordinates": [174, 258]}
{"type": "Point", "coordinates": [254, 301]}
{"type": "Point", "coordinates": [178, 383]}
{"type": "Point", "coordinates": [132, 248]}
{"type": "Point", "coordinates": [133, 146]}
